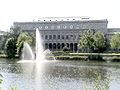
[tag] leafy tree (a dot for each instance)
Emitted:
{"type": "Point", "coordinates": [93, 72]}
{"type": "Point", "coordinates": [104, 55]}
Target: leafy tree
{"type": "Point", "coordinates": [33, 36]}
{"type": "Point", "coordinates": [10, 48]}
{"type": "Point", "coordinates": [65, 49]}
{"type": "Point", "coordinates": [23, 37]}
{"type": "Point", "coordinates": [93, 41]}
{"type": "Point", "coordinates": [115, 42]}
{"type": "Point", "coordinates": [13, 33]}
{"type": "Point", "coordinates": [86, 41]}
{"type": "Point", "coordinates": [99, 42]}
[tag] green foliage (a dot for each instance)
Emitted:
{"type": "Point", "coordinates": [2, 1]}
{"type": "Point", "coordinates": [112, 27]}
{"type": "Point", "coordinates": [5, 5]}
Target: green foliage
{"type": "Point", "coordinates": [33, 36]}
{"type": "Point", "coordinates": [13, 88]}
{"type": "Point", "coordinates": [23, 37]}
{"type": "Point", "coordinates": [71, 57]}
{"type": "Point", "coordinates": [14, 32]}
{"type": "Point", "coordinates": [59, 53]}
{"type": "Point", "coordinates": [65, 49]}
{"type": "Point", "coordinates": [99, 42]}
{"type": "Point", "coordinates": [10, 42]}
{"type": "Point", "coordinates": [93, 41]}
{"type": "Point", "coordinates": [86, 40]}
{"type": "Point", "coordinates": [10, 48]}
{"type": "Point", "coordinates": [115, 42]}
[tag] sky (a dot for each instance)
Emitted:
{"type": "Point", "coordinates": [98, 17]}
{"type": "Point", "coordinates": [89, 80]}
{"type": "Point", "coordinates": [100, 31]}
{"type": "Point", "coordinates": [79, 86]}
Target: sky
{"type": "Point", "coordinates": [28, 10]}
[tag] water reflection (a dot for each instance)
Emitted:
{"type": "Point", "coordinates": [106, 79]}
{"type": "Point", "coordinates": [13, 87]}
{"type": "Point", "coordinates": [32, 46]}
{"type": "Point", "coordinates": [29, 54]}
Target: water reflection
{"type": "Point", "coordinates": [61, 75]}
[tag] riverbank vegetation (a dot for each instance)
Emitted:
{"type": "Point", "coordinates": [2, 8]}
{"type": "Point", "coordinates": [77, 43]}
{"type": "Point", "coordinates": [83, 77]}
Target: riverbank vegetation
{"type": "Point", "coordinates": [61, 55]}
{"type": "Point", "coordinates": [92, 46]}
{"type": "Point", "coordinates": [14, 40]}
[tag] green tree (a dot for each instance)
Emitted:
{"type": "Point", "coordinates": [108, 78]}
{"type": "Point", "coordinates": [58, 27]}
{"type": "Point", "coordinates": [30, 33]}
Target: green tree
{"type": "Point", "coordinates": [10, 48]}
{"type": "Point", "coordinates": [13, 33]}
{"type": "Point", "coordinates": [86, 41]}
{"type": "Point", "coordinates": [65, 49]}
{"type": "Point", "coordinates": [33, 36]}
{"type": "Point", "coordinates": [115, 42]}
{"type": "Point", "coordinates": [99, 43]}
{"type": "Point", "coordinates": [23, 37]}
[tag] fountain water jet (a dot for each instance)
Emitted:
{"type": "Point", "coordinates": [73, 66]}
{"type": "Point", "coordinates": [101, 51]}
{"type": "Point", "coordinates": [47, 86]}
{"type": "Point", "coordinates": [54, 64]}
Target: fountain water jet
{"type": "Point", "coordinates": [39, 47]}
{"type": "Point", "coordinates": [27, 53]}
{"type": "Point", "coordinates": [48, 53]}
{"type": "Point", "coordinates": [36, 65]}
{"type": "Point", "coordinates": [41, 55]}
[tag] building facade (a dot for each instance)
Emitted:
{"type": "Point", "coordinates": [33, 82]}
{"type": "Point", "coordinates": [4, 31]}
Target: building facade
{"type": "Point", "coordinates": [60, 32]}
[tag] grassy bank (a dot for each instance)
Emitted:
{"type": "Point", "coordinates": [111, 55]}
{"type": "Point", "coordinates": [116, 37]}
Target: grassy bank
{"type": "Point", "coordinates": [4, 56]}
{"type": "Point", "coordinates": [60, 55]}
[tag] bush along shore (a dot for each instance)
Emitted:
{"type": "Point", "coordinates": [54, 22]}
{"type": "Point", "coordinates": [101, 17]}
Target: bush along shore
{"type": "Point", "coordinates": [4, 56]}
{"type": "Point", "coordinates": [61, 55]}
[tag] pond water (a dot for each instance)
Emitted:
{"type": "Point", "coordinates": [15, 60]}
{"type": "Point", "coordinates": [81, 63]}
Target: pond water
{"type": "Point", "coordinates": [60, 75]}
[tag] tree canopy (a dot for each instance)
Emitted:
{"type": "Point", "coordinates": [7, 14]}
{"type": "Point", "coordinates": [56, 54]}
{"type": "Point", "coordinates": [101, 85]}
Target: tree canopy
{"type": "Point", "coordinates": [10, 42]}
{"type": "Point", "coordinates": [23, 37]}
{"type": "Point", "coordinates": [115, 42]}
{"type": "Point", "coordinates": [86, 40]}
{"type": "Point", "coordinates": [99, 42]}
{"type": "Point", "coordinates": [10, 48]}
{"type": "Point", "coordinates": [93, 41]}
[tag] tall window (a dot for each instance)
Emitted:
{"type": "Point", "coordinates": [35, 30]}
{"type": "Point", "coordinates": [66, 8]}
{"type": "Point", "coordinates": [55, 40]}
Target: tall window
{"type": "Point", "coordinates": [50, 36]}
{"type": "Point", "coordinates": [62, 36]}
{"type": "Point", "coordinates": [46, 36]}
{"type": "Point", "coordinates": [67, 37]}
{"type": "Point", "coordinates": [71, 35]}
{"type": "Point", "coordinates": [58, 36]}
{"type": "Point", "coordinates": [54, 36]}
{"type": "Point", "coordinates": [42, 36]}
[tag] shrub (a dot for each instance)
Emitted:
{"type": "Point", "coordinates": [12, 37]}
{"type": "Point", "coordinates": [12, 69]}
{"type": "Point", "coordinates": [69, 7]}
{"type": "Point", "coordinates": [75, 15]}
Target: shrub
{"type": "Point", "coordinates": [65, 49]}
{"type": "Point", "coordinates": [71, 57]}
{"type": "Point", "coordinates": [10, 48]}
{"type": "Point", "coordinates": [59, 53]}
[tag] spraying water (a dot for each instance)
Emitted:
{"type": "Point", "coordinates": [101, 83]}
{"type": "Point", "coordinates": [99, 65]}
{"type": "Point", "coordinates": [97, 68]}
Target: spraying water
{"type": "Point", "coordinates": [49, 55]}
{"type": "Point", "coordinates": [39, 47]}
{"type": "Point", "coordinates": [27, 53]}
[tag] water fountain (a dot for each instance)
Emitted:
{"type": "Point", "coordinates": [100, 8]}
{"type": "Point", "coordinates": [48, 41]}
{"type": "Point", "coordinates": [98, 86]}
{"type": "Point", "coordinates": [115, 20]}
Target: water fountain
{"type": "Point", "coordinates": [48, 55]}
{"type": "Point", "coordinates": [39, 47]}
{"type": "Point", "coordinates": [27, 53]}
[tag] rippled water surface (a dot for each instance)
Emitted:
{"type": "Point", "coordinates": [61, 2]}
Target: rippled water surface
{"type": "Point", "coordinates": [60, 75]}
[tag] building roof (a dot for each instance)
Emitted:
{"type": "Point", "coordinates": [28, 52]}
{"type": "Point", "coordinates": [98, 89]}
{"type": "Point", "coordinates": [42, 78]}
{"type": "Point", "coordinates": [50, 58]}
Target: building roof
{"type": "Point", "coordinates": [64, 19]}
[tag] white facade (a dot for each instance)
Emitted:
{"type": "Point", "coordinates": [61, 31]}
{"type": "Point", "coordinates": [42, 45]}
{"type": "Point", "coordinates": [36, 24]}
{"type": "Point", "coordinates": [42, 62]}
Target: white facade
{"type": "Point", "coordinates": [60, 32]}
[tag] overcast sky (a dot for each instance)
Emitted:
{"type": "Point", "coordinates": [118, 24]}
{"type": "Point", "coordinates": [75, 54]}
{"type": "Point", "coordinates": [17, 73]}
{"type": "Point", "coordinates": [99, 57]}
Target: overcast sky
{"type": "Point", "coordinates": [28, 10]}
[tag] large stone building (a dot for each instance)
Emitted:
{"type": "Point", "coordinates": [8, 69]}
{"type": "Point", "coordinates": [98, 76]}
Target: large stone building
{"type": "Point", "coordinates": [60, 32]}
